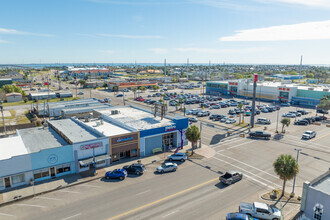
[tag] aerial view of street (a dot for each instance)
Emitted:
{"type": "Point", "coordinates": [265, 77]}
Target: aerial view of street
{"type": "Point", "coordinates": [165, 110]}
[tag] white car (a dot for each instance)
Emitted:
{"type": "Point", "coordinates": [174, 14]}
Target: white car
{"type": "Point", "coordinates": [178, 156]}
{"type": "Point", "coordinates": [289, 115]}
{"type": "Point", "coordinates": [167, 167]}
{"type": "Point", "coordinates": [309, 135]}
{"type": "Point", "coordinates": [231, 121]}
{"type": "Point", "coordinates": [224, 119]}
{"type": "Point", "coordinates": [263, 121]}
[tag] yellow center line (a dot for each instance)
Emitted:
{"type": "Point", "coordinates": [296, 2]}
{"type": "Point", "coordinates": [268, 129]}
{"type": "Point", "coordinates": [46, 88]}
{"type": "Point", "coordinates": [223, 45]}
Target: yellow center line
{"type": "Point", "coordinates": [163, 199]}
{"type": "Point", "coordinates": [321, 136]}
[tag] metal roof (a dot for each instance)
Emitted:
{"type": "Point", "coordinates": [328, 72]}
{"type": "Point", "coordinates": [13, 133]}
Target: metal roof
{"type": "Point", "coordinates": [322, 183]}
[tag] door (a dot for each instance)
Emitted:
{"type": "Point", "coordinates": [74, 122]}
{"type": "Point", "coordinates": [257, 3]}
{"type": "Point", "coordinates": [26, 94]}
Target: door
{"type": "Point", "coordinates": [7, 182]}
{"type": "Point", "coordinates": [128, 153]}
{"type": "Point", "coordinates": [52, 172]}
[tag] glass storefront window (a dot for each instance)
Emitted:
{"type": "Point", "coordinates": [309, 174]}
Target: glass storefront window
{"type": "Point", "coordinates": [63, 168]}
{"type": "Point", "coordinates": [41, 173]}
{"type": "Point", "coordinates": [1, 182]}
{"type": "Point", "coordinates": [18, 178]}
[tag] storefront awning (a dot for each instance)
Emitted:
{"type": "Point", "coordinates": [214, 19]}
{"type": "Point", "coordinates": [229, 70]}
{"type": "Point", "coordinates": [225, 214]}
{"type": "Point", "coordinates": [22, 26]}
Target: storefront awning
{"type": "Point", "coordinates": [91, 160]}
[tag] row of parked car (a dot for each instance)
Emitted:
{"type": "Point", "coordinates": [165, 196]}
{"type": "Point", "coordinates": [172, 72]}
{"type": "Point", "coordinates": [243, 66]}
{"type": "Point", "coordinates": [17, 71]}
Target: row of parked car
{"type": "Point", "coordinates": [139, 169]}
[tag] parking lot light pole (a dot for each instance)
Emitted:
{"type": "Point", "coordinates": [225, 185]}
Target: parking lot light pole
{"type": "Point", "coordinates": [294, 180]}
{"type": "Point", "coordinates": [278, 112]}
{"type": "Point", "coordinates": [3, 119]}
{"type": "Point", "coordinates": [200, 130]}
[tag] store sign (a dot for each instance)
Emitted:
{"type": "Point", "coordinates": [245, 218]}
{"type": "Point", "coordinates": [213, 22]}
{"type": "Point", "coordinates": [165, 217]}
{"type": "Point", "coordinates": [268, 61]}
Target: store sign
{"type": "Point", "coordinates": [91, 146]}
{"type": "Point", "coordinates": [233, 83]}
{"type": "Point", "coordinates": [287, 89]}
{"type": "Point", "coordinates": [124, 139]}
{"type": "Point", "coordinates": [170, 128]}
{"type": "Point", "coordinates": [52, 159]}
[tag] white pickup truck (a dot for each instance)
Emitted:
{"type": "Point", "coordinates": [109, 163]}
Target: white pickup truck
{"type": "Point", "coordinates": [260, 210]}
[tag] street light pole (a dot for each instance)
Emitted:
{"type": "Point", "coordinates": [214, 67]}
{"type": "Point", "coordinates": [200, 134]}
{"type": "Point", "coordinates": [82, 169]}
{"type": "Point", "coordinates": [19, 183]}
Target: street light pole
{"type": "Point", "coordinates": [278, 112]}
{"type": "Point", "coordinates": [3, 119]}
{"type": "Point", "coordinates": [294, 180]}
{"type": "Point", "coordinates": [200, 130]}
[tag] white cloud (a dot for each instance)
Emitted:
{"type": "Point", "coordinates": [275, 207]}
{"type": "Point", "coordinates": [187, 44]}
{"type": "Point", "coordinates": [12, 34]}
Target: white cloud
{"type": "Point", "coordinates": [310, 3]}
{"type": "Point", "coordinates": [213, 50]}
{"type": "Point", "coordinates": [239, 5]}
{"type": "Point", "coordinates": [159, 50]}
{"type": "Point", "coordinates": [304, 31]}
{"type": "Point", "coordinates": [131, 36]}
{"type": "Point", "coordinates": [3, 42]}
{"type": "Point", "coordinates": [108, 52]}
{"type": "Point", "coordinates": [16, 32]}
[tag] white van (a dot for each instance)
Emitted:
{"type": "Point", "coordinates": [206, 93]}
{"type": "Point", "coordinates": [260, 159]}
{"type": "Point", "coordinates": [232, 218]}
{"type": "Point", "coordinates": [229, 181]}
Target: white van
{"type": "Point", "coordinates": [263, 121]}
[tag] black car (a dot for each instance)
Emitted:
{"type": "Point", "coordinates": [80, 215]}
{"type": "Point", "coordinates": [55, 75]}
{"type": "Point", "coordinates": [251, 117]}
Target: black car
{"type": "Point", "coordinates": [310, 119]}
{"type": "Point", "coordinates": [320, 118]}
{"type": "Point", "coordinates": [232, 112]}
{"type": "Point", "coordinates": [213, 116]}
{"type": "Point", "coordinates": [137, 169]}
{"type": "Point", "coordinates": [322, 111]}
{"type": "Point", "coordinates": [301, 122]}
{"type": "Point", "coordinates": [218, 117]}
{"type": "Point", "coordinates": [303, 112]}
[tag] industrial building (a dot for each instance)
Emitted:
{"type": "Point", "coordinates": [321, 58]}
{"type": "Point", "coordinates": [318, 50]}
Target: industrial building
{"type": "Point", "coordinates": [296, 94]}
{"type": "Point", "coordinates": [66, 109]}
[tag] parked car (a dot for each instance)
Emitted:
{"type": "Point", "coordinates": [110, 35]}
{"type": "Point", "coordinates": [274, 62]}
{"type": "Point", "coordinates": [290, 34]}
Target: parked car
{"type": "Point", "coordinates": [231, 121]}
{"type": "Point", "coordinates": [231, 112]}
{"type": "Point", "coordinates": [203, 113]}
{"type": "Point", "coordinates": [215, 107]}
{"type": "Point", "coordinates": [116, 174]}
{"type": "Point", "coordinates": [218, 117]}
{"type": "Point", "coordinates": [224, 119]}
{"type": "Point", "coordinates": [322, 111]}
{"type": "Point", "coordinates": [192, 119]}
{"type": "Point", "coordinates": [284, 104]}
{"type": "Point", "coordinates": [80, 93]}
{"type": "Point", "coordinates": [167, 167]}
{"type": "Point", "coordinates": [137, 169]}
{"type": "Point", "coordinates": [107, 100]}
{"type": "Point", "coordinates": [264, 110]}
{"type": "Point", "coordinates": [260, 134]}
{"type": "Point", "coordinates": [303, 112]}
{"type": "Point", "coordinates": [239, 216]}
{"type": "Point", "coordinates": [264, 121]}
{"type": "Point", "coordinates": [178, 156]}
{"type": "Point", "coordinates": [120, 95]}
{"type": "Point", "coordinates": [309, 135]}
{"type": "Point", "coordinates": [301, 122]}
{"type": "Point", "coordinates": [260, 210]}
{"type": "Point", "coordinates": [320, 118]}
{"type": "Point", "coordinates": [231, 177]}
{"type": "Point", "coordinates": [289, 115]}
{"type": "Point", "coordinates": [295, 113]}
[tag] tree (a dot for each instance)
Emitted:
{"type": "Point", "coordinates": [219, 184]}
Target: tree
{"type": "Point", "coordinates": [286, 167]}
{"type": "Point", "coordinates": [285, 122]}
{"type": "Point", "coordinates": [154, 88]}
{"type": "Point", "coordinates": [324, 103]}
{"type": "Point", "coordinates": [176, 106]}
{"type": "Point", "coordinates": [105, 85]}
{"type": "Point", "coordinates": [240, 106]}
{"type": "Point", "coordinates": [12, 88]}
{"type": "Point", "coordinates": [142, 88]}
{"type": "Point", "coordinates": [115, 88]}
{"type": "Point", "coordinates": [193, 135]}
{"type": "Point", "coordinates": [134, 91]}
{"type": "Point", "coordinates": [82, 82]}
{"type": "Point", "coordinates": [310, 75]}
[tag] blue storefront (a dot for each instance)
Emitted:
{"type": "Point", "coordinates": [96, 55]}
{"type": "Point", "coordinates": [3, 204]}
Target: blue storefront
{"type": "Point", "coordinates": [166, 138]}
{"type": "Point", "coordinates": [52, 162]}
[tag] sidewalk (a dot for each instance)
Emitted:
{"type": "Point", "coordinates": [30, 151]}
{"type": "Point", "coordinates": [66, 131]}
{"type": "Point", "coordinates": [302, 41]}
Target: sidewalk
{"type": "Point", "coordinates": [50, 185]}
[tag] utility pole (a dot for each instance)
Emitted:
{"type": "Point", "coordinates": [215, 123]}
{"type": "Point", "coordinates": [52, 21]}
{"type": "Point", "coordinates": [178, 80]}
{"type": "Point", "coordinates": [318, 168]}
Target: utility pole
{"type": "Point", "coordinates": [165, 68]}
{"type": "Point", "coordinates": [278, 112]}
{"type": "Point", "coordinates": [200, 131]}
{"type": "Point", "coordinates": [48, 97]}
{"type": "Point", "coordinates": [294, 180]}
{"type": "Point", "coordinates": [3, 119]}
{"type": "Point", "coordinates": [124, 98]}
{"type": "Point", "coordinates": [255, 79]}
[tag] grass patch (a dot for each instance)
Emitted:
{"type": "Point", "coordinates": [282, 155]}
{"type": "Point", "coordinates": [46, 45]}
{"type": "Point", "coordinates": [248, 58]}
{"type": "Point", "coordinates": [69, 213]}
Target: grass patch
{"type": "Point", "coordinates": [242, 125]}
{"type": "Point", "coordinates": [40, 101]}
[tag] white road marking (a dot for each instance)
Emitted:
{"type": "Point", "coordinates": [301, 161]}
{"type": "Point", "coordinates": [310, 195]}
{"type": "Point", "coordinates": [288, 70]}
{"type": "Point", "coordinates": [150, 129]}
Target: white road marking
{"type": "Point", "coordinates": [92, 186]}
{"type": "Point", "coordinates": [29, 205]}
{"type": "Point", "coordinates": [251, 174]}
{"type": "Point", "coordinates": [67, 191]}
{"type": "Point", "coordinates": [221, 143]}
{"type": "Point", "coordinates": [171, 213]}
{"type": "Point", "coordinates": [72, 216]}
{"type": "Point", "coordinates": [7, 214]}
{"type": "Point", "coordinates": [249, 166]}
{"type": "Point", "coordinates": [48, 198]}
{"type": "Point", "coordinates": [143, 192]}
{"type": "Point", "coordinates": [240, 145]}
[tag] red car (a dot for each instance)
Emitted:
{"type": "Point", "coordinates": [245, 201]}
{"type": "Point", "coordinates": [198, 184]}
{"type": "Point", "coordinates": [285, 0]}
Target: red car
{"type": "Point", "coordinates": [220, 98]}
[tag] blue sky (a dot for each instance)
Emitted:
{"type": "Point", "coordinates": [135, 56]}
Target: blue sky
{"type": "Point", "coordinates": [147, 31]}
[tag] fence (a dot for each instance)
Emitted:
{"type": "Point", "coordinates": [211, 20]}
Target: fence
{"type": "Point", "coordinates": [12, 128]}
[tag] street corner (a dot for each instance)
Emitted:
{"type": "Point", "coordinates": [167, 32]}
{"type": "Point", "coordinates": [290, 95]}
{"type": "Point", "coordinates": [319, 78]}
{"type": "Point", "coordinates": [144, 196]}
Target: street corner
{"type": "Point", "coordinates": [205, 151]}
{"type": "Point", "coordinates": [275, 195]}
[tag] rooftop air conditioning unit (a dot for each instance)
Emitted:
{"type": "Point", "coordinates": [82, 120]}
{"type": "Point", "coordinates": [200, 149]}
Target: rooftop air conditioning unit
{"type": "Point", "coordinates": [325, 90]}
{"type": "Point", "coordinates": [310, 88]}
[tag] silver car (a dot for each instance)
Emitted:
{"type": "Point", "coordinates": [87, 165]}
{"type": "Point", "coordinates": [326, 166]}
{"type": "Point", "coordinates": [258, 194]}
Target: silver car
{"type": "Point", "coordinates": [167, 167]}
{"type": "Point", "coordinates": [230, 177]}
{"type": "Point", "coordinates": [178, 156]}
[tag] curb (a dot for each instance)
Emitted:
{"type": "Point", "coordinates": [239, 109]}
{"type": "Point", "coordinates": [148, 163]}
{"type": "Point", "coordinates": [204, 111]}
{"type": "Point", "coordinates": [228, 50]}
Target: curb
{"type": "Point", "coordinates": [260, 196]}
{"type": "Point", "coordinates": [63, 187]}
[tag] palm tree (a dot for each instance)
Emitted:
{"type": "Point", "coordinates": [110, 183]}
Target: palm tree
{"type": "Point", "coordinates": [134, 91]}
{"type": "Point", "coordinates": [176, 106]}
{"type": "Point", "coordinates": [154, 88]}
{"type": "Point", "coordinates": [286, 167]}
{"type": "Point", "coordinates": [193, 135]}
{"type": "Point", "coordinates": [142, 88]}
{"type": "Point", "coordinates": [285, 122]}
{"type": "Point", "coordinates": [240, 106]}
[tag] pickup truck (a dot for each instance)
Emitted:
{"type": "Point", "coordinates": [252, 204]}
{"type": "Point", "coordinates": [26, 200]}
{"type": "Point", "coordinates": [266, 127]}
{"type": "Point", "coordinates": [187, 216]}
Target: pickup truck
{"type": "Point", "coordinates": [260, 210]}
{"type": "Point", "coordinates": [260, 134]}
{"type": "Point", "coordinates": [230, 177]}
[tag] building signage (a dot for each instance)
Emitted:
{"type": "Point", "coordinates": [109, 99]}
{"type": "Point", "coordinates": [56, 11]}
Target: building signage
{"type": "Point", "coordinates": [287, 89]}
{"type": "Point", "coordinates": [170, 128]}
{"type": "Point", "coordinates": [124, 139]}
{"type": "Point", "coordinates": [233, 83]}
{"type": "Point", "coordinates": [52, 159]}
{"type": "Point", "coordinates": [91, 146]}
